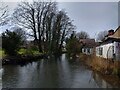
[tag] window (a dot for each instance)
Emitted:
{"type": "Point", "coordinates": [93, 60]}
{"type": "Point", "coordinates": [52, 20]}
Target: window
{"type": "Point", "coordinates": [101, 51]}
{"type": "Point", "coordinates": [84, 50]}
{"type": "Point", "coordinates": [88, 50]}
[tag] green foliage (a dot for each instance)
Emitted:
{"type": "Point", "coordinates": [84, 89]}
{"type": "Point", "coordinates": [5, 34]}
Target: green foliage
{"type": "Point", "coordinates": [2, 53]}
{"type": "Point", "coordinates": [22, 51]}
{"type": "Point", "coordinates": [11, 42]}
{"type": "Point", "coordinates": [73, 45]}
{"type": "Point", "coordinates": [33, 50]}
{"type": "Point", "coordinates": [29, 52]}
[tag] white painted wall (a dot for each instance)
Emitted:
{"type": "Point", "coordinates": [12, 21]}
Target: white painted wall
{"type": "Point", "coordinates": [106, 48]}
{"type": "Point", "coordinates": [85, 51]}
{"type": "Point", "coordinates": [117, 50]}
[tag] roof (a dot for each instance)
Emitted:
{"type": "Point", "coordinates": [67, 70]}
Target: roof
{"type": "Point", "coordinates": [117, 29]}
{"type": "Point", "coordinates": [88, 42]}
{"type": "Point", "coordinates": [117, 33]}
{"type": "Point", "coordinates": [113, 39]}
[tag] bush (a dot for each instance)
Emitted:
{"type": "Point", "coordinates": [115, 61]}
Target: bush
{"type": "Point", "coordinates": [73, 46]}
{"type": "Point", "coordinates": [11, 42]}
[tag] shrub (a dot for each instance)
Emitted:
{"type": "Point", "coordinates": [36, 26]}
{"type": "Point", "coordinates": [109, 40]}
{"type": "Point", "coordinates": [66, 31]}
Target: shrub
{"type": "Point", "coordinates": [11, 42]}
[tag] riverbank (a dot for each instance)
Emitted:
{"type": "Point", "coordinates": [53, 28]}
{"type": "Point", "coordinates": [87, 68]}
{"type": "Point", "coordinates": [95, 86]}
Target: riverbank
{"type": "Point", "coordinates": [105, 66]}
{"type": "Point", "coordinates": [108, 68]}
{"type": "Point", "coordinates": [22, 59]}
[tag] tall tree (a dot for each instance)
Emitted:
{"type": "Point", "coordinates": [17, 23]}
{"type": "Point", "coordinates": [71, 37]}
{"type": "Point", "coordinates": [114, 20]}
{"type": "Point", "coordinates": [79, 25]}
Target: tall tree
{"type": "Point", "coordinates": [49, 25]}
{"type": "Point", "coordinates": [31, 16]}
{"type": "Point", "coordinates": [19, 31]}
{"type": "Point", "coordinates": [62, 26]}
{"type": "Point", "coordinates": [73, 45]}
{"type": "Point", "coordinates": [82, 35]}
{"type": "Point", "coordinates": [101, 35]}
{"type": "Point", "coordinates": [3, 14]}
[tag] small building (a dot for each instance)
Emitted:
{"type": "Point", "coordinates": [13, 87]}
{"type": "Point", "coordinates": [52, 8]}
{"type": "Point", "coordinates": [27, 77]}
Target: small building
{"type": "Point", "coordinates": [88, 46]}
{"type": "Point", "coordinates": [110, 47]}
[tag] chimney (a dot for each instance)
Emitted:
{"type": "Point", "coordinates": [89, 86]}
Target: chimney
{"type": "Point", "coordinates": [110, 32]}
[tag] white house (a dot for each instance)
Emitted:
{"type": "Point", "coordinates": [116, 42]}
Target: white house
{"type": "Point", "coordinates": [110, 47]}
{"type": "Point", "coordinates": [88, 46]}
{"type": "Point", "coordinates": [87, 50]}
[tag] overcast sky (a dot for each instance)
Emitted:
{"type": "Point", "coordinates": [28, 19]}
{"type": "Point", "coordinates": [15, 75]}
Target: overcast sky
{"type": "Point", "coordinates": [91, 17]}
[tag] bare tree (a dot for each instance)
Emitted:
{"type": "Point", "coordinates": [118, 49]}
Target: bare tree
{"type": "Point", "coordinates": [82, 35]}
{"type": "Point", "coordinates": [49, 25]}
{"type": "Point", "coordinates": [32, 16]}
{"type": "Point", "coordinates": [101, 35]}
{"type": "Point", "coordinates": [62, 28]}
{"type": "Point", "coordinates": [20, 32]}
{"type": "Point", "coordinates": [3, 14]}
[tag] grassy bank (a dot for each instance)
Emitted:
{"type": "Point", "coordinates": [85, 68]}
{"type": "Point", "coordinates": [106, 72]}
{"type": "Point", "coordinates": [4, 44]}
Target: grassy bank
{"type": "Point", "coordinates": [22, 51]}
{"type": "Point", "coordinates": [28, 52]}
{"type": "Point", "coordinates": [24, 56]}
{"type": "Point", "coordinates": [2, 53]}
{"type": "Point", "coordinates": [109, 67]}
{"type": "Point", "coordinates": [109, 70]}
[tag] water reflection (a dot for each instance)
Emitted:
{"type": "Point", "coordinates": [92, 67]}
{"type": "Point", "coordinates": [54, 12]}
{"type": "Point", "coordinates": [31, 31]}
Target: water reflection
{"type": "Point", "coordinates": [52, 73]}
{"type": "Point", "coordinates": [1, 70]}
{"type": "Point", "coordinates": [102, 83]}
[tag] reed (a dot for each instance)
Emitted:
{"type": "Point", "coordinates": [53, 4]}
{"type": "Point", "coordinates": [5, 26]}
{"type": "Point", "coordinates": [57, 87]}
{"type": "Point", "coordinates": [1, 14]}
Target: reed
{"type": "Point", "coordinates": [105, 66]}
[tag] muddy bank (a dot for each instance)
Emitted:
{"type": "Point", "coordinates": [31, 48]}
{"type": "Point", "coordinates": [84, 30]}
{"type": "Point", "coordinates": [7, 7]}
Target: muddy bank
{"type": "Point", "coordinates": [21, 59]}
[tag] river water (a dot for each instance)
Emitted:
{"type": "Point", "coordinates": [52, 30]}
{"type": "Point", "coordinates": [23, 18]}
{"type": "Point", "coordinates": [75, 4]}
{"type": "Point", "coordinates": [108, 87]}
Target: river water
{"type": "Point", "coordinates": [52, 73]}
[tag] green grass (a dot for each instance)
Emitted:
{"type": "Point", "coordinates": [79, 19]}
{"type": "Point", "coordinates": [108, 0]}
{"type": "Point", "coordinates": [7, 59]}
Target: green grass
{"type": "Point", "coordinates": [2, 53]}
{"type": "Point", "coordinates": [29, 51]}
{"type": "Point", "coordinates": [21, 51]}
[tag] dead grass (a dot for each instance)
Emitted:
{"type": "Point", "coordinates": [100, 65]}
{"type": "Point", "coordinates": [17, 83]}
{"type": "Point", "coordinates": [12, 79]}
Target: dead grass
{"type": "Point", "coordinates": [102, 65]}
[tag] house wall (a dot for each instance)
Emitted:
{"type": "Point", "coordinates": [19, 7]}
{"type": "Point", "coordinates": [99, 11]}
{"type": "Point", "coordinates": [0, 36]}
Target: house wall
{"type": "Point", "coordinates": [117, 50]}
{"type": "Point", "coordinates": [111, 50]}
{"type": "Point", "coordinates": [87, 51]}
{"type": "Point", "coordinates": [105, 51]}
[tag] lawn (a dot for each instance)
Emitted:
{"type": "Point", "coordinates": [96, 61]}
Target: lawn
{"type": "Point", "coordinates": [29, 51]}
{"type": "Point", "coordinates": [2, 54]}
{"type": "Point", "coordinates": [21, 51]}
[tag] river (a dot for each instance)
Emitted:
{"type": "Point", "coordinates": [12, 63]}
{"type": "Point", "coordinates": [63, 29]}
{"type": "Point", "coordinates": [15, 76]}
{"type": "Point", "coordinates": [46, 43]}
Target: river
{"type": "Point", "coordinates": [52, 73]}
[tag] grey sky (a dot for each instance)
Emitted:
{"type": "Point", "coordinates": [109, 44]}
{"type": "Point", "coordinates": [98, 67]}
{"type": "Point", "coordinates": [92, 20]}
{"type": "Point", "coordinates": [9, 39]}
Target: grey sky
{"type": "Point", "coordinates": [91, 17]}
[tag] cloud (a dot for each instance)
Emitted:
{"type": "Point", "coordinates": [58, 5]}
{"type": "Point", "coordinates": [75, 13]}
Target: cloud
{"type": "Point", "coordinates": [93, 17]}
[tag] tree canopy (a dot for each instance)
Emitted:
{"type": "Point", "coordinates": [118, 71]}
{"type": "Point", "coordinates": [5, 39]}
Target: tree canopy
{"type": "Point", "coordinates": [82, 35]}
{"type": "Point", "coordinates": [73, 46]}
{"type": "Point", "coordinates": [49, 25]}
{"type": "Point", "coordinates": [11, 42]}
{"type": "Point", "coordinates": [3, 14]}
{"type": "Point", "coordinates": [101, 35]}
